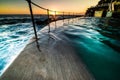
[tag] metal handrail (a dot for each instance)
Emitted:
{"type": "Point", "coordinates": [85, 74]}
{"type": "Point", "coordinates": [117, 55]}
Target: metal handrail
{"type": "Point", "coordinates": [48, 15]}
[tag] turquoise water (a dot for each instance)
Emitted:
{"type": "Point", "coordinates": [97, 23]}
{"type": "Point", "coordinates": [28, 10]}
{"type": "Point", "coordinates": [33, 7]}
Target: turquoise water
{"type": "Point", "coordinates": [97, 42]}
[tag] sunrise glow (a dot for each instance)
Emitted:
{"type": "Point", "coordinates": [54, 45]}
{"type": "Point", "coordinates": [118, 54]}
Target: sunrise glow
{"type": "Point", "coordinates": [21, 6]}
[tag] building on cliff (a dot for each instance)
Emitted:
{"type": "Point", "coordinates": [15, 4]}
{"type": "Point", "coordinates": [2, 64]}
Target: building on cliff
{"type": "Point", "coordinates": [105, 8]}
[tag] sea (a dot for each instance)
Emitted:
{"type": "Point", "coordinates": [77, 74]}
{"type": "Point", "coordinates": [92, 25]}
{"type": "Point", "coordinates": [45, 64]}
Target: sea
{"type": "Point", "coordinates": [96, 41]}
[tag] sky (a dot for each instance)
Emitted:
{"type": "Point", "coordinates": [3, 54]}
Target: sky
{"type": "Point", "coordinates": [21, 6]}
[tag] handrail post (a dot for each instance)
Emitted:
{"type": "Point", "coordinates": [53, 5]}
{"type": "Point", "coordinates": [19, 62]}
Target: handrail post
{"type": "Point", "coordinates": [48, 14]}
{"type": "Point", "coordinates": [73, 18]}
{"type": "Point", "coordinates": [55, 21]}
{"type": "Point", "coordinates": [63, 18]}
{"type": "Point", "coordinates": [33, 22]}
{"type": "Point", "coordinates": [78, 16]}
{"type": "Point", "coordinates": [68, 18]}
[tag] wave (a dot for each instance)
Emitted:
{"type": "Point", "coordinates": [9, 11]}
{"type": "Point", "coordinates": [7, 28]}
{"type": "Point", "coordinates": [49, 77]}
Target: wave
{"type": "Point", "coordinates": [13, 38]}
